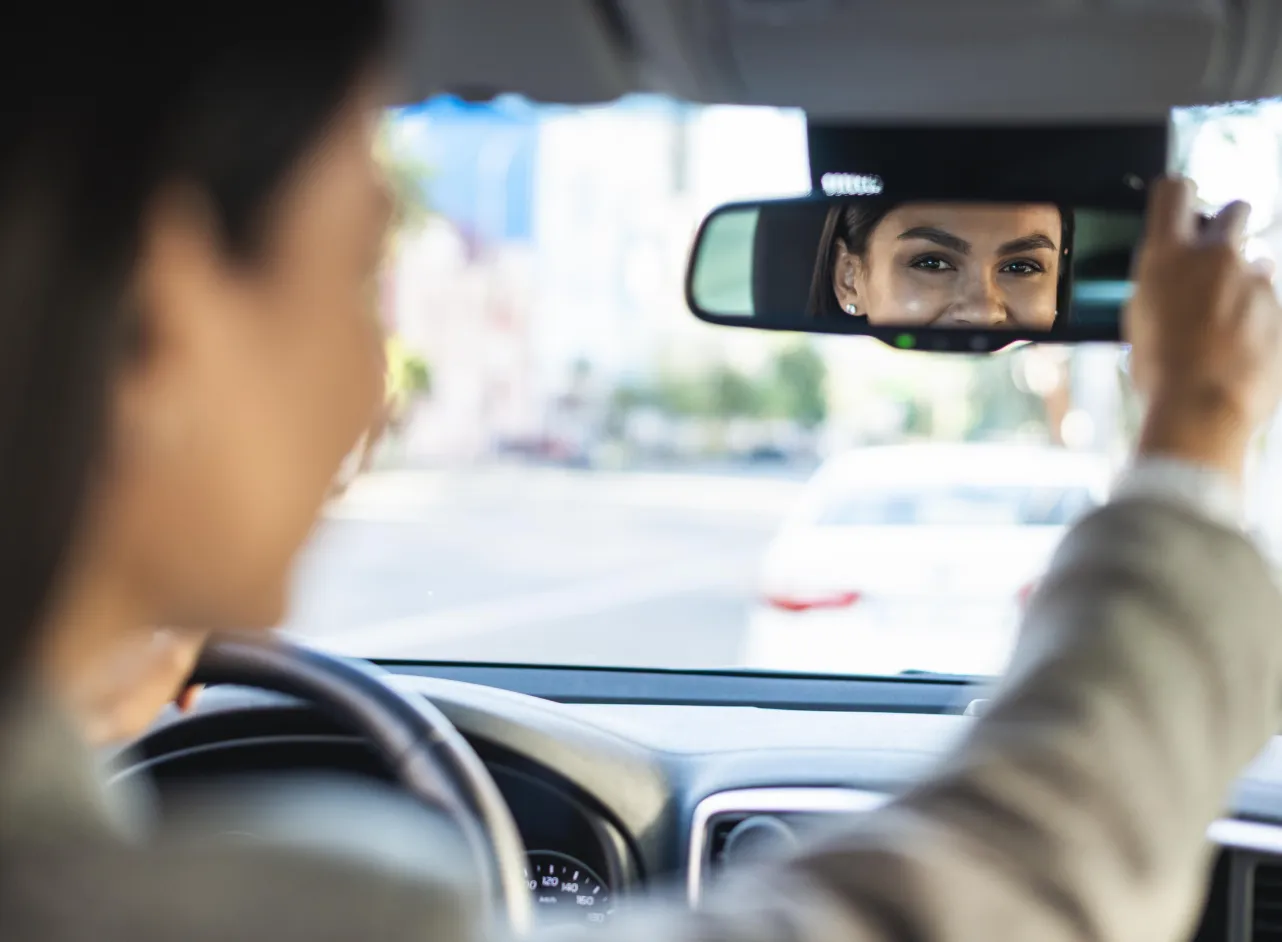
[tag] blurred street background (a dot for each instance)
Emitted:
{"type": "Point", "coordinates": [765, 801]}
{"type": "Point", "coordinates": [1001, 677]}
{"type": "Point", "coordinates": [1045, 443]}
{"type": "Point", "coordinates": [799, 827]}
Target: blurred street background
{"type": "Point", "coordinates": [541, 566]}
{"type": "Point", "coordinates": [574, 469]}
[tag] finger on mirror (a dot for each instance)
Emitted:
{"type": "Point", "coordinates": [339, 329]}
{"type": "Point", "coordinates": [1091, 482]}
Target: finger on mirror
{"type": "Point", "coordinates": [1170, 216]}
{"type": "Point", "coordinates": [1264, 267]}
{"type": "Point", "coordinates": [1228, 226]}
{"type": "Point", "coordinates": [1266, 290]}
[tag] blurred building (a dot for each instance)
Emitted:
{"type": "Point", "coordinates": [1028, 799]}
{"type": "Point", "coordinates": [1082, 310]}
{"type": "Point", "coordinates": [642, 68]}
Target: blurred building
{"type": "Point", "coordinates": [560, 238]}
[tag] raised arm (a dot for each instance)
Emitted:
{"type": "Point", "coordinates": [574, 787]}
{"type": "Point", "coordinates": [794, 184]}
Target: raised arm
{"type": "Point", "coordinates": [1148, 672]}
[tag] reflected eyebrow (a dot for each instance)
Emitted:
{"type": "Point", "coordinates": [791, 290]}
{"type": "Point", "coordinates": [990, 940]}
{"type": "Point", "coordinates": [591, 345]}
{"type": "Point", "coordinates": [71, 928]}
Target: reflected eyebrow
{"type": "Point", "coordinates": [1027, 243]}
{"type": "Point", "coordinates": [938, 236]}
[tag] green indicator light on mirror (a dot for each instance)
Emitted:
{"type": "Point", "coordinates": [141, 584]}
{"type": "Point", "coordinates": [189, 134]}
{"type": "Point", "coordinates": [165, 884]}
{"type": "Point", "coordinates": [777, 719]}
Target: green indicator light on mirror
{"type": "Point", "coordinates": [905, 341]}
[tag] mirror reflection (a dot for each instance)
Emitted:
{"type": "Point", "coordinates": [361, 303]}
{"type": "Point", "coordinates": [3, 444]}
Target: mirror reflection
{"type": "Point", "coordinates": [977, 265]}
{"type": "Point", "coordinates": [848, 263]}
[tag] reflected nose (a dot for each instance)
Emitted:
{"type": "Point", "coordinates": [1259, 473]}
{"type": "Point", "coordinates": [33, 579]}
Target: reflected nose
{"type": "Point", "coordinates": [980, 304]}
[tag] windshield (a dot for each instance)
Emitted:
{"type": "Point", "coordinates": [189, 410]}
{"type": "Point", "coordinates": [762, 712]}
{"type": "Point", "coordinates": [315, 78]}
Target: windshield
{"type": "Point", "coordinates": [571, 469]}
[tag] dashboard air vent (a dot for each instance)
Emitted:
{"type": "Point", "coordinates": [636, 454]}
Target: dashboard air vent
{"type": "Point", "coordinates": [1266, 903]}
{"type": "Point", "coordinates": [718, 831]}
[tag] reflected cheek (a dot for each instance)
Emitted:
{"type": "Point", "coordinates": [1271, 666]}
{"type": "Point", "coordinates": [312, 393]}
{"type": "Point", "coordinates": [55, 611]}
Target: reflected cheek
{"type": "Point", "coordinates": [1032, 305]}
{"type": "Point", "coordinates": [910, 300]}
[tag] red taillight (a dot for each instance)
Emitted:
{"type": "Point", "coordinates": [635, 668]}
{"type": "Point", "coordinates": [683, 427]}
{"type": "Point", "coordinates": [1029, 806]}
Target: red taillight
{"type": "Point", "coordinates": [1025, 593]}
{"type": "Point", "coordinates": [790, 603]}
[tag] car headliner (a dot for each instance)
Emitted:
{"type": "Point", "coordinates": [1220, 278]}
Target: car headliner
{"type": "Point", "coordinates": [925, 61]}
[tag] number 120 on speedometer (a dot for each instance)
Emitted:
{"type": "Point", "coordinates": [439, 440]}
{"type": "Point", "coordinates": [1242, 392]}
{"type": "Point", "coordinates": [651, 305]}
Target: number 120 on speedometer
{"type": "Point", "coordinates": [566, 888]}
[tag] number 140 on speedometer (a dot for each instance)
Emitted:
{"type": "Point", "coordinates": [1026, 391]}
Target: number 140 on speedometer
{"type": "Point", "coordinates": [566, 888]}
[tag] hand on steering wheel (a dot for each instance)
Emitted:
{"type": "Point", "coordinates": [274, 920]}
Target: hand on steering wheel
{"type": "Point", "coordinates": [424, 751]}
{"type": "Point", "coordinates": [147, 671]}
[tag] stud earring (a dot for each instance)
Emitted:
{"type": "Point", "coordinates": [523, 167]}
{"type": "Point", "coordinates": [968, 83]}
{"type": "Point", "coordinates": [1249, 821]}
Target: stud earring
{"type": "Point", "coordinates": [851, 309]}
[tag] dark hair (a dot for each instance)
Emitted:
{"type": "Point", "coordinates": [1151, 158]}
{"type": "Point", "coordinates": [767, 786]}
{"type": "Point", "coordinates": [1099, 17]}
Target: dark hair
{"type": "Point", "coordinates": [853, 223]}
{"type": "Point", "coordinates": [105, 105]}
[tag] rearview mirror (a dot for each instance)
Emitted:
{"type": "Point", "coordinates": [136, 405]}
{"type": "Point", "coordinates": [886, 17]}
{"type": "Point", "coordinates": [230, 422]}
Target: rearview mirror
{"type": "Point", "coordinates": [923, 273]}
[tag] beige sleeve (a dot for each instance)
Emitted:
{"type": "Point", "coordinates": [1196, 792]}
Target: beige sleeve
{"type": "Point", "coordinates": [1147, 674]}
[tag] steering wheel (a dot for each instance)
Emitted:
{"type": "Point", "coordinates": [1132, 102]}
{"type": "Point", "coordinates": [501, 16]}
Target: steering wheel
{"type": "Point", "coordinates": [426, 754]}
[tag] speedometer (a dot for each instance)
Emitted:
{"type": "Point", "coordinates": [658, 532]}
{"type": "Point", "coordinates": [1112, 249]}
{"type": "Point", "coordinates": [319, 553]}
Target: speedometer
{"type": "Point", "coordinates": [566, 888]}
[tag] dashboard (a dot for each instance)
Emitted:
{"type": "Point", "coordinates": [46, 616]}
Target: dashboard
{"type": "Point", "coordinates": [613, 798]}
{"type": "Point", "coordinates": [577, 856]}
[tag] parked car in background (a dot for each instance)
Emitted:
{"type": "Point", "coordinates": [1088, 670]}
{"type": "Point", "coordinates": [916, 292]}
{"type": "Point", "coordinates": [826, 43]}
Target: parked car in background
{"type": "Point", "coordinates": [916, 557]}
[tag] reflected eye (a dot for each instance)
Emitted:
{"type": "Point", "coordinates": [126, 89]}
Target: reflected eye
{"type": "Point", "coordinates": [931, 263]}
{"type": "Point", "coordinates": [1022, 266]}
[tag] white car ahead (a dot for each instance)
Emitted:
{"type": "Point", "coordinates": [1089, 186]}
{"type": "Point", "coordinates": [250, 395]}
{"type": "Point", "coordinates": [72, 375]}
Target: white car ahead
{"type": "Point", "coordinates": [916, 557]}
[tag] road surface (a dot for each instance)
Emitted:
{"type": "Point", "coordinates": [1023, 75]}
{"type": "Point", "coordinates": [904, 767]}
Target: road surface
{"type": "Point", "coordinates": [540, 566]}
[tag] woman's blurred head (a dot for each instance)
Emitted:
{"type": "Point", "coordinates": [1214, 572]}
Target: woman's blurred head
{"type": "Point", "coordinates": [191, 224]}
{"type": "Point", "coordinates": [919, 264]}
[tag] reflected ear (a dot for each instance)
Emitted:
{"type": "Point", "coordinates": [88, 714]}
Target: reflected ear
{"type": "Point", "coordinates": [845, 279]}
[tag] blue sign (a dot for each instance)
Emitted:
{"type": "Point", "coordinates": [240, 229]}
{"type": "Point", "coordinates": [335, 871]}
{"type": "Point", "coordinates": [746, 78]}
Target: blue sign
{"type": "Point", "coordinates": [481, 160]}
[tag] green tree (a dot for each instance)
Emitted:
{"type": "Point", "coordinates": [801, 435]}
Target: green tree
{"type": "Point", "coordinates": [799, 383]}
{"type": "Point", "coordinates": [681, 395]}
{"type": "Point", "coordinates": [418, 375]}
{"type": "Point", "coordinates": [407, 174]}
{"type": "Point", "coordinates": [793, 388]}
{"type": "Point", "coordinates": [918, 421]}
{"type": "Point", "coordinates": [408, 374]}
{"type": "Point", "coordinates": [997, 405]}
{"type": "Point", "coordinates": [732, 395]}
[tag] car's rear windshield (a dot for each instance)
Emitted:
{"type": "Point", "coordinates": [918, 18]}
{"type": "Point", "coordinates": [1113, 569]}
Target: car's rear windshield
{"type": "Point", "coordinates": [958, 506]}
